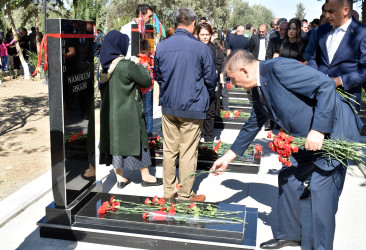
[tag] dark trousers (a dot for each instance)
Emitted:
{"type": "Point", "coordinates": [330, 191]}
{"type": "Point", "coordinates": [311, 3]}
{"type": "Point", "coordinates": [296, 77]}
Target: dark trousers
{"type": "Point", "coordinates": [325, 188]}
{"type": "Point", "coordinates": [147, 100]}
{"type": "Point", "coordinates": [209, 123]}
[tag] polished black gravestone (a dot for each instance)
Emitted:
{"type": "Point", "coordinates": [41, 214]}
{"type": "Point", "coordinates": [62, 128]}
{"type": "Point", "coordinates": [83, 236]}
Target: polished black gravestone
{"type": "Point", "coordinates": [248, 163]}
{"type": "Point", "coordinates": [71, 102]}
{"type": "Point", "coordinates": [130, 230]}
{"type": "Point", "coordinates": [137, 38]}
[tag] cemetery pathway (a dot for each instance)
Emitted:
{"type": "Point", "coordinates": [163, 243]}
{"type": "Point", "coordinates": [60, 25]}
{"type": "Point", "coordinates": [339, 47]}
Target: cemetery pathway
{"type": "Point", "coordinates": [24, 133]}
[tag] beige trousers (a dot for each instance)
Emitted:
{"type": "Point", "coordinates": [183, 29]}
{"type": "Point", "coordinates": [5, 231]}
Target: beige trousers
{"type": "Point", "coordinates": [181, 136]}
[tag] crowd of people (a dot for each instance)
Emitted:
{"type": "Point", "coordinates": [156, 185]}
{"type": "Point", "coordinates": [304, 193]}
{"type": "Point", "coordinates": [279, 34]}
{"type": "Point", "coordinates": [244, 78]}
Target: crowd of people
{"type": "Point", "coordinates": [9, 55]}
{"type": "Point", "coordinates": [291, 72]}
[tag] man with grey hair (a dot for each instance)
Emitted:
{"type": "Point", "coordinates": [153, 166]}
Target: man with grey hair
{"type": "Point", "coordinates": [186, 73]}
{"type": "Point", "coordinates": [303, 102]}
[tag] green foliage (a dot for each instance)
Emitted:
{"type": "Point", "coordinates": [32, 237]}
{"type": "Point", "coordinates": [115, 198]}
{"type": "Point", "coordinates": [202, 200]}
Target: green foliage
{"type": "Point", "coordinates": [300, 12]}
{"type": "Point", "coordinates": [243, 14]}
{"type": "Point", "coordinates": [221, 13]}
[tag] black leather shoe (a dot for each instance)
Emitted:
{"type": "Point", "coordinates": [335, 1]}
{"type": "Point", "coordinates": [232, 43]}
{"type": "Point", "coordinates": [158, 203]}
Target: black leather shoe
{"type": "Point", "coordinates": [158, 182]}
{"type": "Point", "coordinates": [276, 244]}
{"type": "Point", "coordinates": [121, 184]}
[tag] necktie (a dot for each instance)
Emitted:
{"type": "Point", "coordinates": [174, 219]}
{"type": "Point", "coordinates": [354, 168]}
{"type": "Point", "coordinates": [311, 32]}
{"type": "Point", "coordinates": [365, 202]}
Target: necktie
{"type": "Point", "coordinates": [261, 97]}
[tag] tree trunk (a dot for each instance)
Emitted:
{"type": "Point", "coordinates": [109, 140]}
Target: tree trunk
{"type": "Point", "coordinates": [38, 42]}
{"type": "Point", "coordinates": [16, 37]}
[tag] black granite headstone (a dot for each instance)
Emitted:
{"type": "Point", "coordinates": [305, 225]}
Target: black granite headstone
{"type": "Point", "coordinates": [137, 38]}
{"type": "Point", "coordinates": [71, 100]}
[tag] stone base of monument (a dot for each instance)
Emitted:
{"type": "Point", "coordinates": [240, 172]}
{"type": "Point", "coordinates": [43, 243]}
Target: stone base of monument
{"type": "Point", "coordinates": [131, 230]}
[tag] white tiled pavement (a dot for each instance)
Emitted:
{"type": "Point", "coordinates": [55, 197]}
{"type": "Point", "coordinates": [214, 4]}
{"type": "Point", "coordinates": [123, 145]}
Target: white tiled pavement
{"type": "Point", "coordinates": [258, 191]}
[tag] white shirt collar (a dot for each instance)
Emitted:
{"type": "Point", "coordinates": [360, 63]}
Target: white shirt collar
{"type": "Point", "coordinates": [258, 76]}
{"type": "Point", "coordinates": [344, 27]}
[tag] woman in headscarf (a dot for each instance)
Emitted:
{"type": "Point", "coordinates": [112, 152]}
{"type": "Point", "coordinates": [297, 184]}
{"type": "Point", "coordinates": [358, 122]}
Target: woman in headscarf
{"type": "Point", "coordinates": [123, 136]}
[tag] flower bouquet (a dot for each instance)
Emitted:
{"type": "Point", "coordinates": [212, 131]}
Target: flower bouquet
{"type": "Point", "coordinates": [339, 149]}
{"type": "Point", "coordinates": [158, 209]}
{"type": "Point", "coordinates": [234, 114]}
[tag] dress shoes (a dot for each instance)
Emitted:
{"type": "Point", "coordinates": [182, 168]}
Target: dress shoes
{"type": "Point", "coordinates": [121, 184]}
{"type": "Point", "coordinates": [198, 198]}
{"type": "Point", "coordinates": [158, 182]}
{"type": "Point", "coordinates": [276, 244]}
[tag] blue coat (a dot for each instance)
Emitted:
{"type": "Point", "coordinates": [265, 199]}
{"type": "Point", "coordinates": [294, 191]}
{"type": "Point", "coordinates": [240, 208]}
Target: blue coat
{"type": "Point", "coordinates": [186, 73]}
{"type": "Point", "coordinates": [299, 99]}
{"type": "Point", "coordinates": [349, 61]}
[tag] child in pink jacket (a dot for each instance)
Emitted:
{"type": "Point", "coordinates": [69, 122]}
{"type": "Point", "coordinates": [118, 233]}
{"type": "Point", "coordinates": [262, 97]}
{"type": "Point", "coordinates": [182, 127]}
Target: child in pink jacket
{"type": "Point", "coordinates": [4, 53]}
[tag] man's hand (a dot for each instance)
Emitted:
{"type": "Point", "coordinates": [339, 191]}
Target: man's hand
{"type": "Point", "coordinates": [338, 81]}
{"type": "Point", "coordinates": [314, 140]}
{"type": "Point", "coordinates": [222, 163]}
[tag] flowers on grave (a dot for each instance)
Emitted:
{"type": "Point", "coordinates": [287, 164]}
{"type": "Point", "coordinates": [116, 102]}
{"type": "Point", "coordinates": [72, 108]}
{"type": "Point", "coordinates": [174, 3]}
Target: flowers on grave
{"type": "Point", "coordinates": [216, 148]}
{"type": "Point", "coordinates": [258, 148]}
{"type": "Point", "coordinates": [228, 86]}
{"type": "Point", "coordinates": [155, 141]}
{"type": "Point", "coordinates": [339, 149]}
{"type": "Point", "coordinates": [71, 137]}
{"type": "Point", "coordinates": [157, 209]}
{"type": "Point", "coordinates": [234, 114]}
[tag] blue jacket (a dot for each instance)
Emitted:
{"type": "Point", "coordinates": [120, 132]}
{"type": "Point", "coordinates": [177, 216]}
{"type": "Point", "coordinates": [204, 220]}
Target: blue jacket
{"type": "Point", "coordinates": [349, 61]}
{"type": "Point", "coordinates": [186, 73]}
{"type": "Point", "coordinates": [299, 99]}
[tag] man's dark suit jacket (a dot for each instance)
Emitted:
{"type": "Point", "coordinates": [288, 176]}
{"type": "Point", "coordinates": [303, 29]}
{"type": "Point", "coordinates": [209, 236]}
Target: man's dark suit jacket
{"type": "Point", "coordinates": [254, 44]}
{"type": "Point", "coordinates": [273, 46]}
{"type": "Point", "coordinates": [349, 61]}
{"type": "Point", "coordinates": [299, 99]}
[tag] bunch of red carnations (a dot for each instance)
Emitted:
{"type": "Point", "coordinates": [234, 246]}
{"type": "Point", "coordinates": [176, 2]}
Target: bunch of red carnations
{"type": "Point", "coordinates": [283, 145]}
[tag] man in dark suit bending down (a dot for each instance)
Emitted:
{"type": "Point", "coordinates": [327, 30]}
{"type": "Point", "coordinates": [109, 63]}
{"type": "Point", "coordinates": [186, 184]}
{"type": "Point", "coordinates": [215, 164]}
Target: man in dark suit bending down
{"type": "Point", "coordinates": [303, 101]}
{"type": "Point", "coordinates": [340, 49]}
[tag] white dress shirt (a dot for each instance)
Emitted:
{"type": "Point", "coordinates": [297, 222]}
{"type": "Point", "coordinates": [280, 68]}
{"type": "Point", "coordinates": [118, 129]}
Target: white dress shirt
{"type": "Point", "coordinates": [335, 38]}
{"type": "Point", "coordinates": [262, 49]}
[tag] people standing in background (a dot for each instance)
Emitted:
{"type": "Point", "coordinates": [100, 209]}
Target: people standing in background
{"type": "Point", "coordinates": [4, 53]}
{"type": "Point", "coordinates": [248, 31]}
{"type": "Point", "coordinates": [204, 35]}
{"type": "Point", "coordinates": [334, 56]}
{"type": "Point", "coordinates": [224, 91]}
{"type": "Point", "coordinates": [292, 46]}
{"type": "Point", "coordinates": [147, 14]}
{"type": "Point", "coordinates": [32, 40]}
{"type": "Point", "coordinates": [239, 41]}
{"type": "Point", "coordinates": [275, 42]}
{"type": "Point", "coordinates": [147, 60]}
{"type": "Point", "coordinates": [259, 42]}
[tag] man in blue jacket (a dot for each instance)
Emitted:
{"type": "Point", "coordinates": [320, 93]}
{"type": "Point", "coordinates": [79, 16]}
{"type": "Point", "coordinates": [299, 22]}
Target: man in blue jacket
{"type": "Point", "coordinates": [186, 73]}
{"type": "Point", "coordinates": [340, 49]}
{"type": "Point", "coordinates": [303, 101]}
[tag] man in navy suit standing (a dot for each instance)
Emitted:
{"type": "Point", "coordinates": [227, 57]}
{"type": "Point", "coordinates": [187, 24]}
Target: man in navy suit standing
{"type": "Point", "coordinates": [340, 50]}
{"type": "Point", "coordinates": [303, 102]}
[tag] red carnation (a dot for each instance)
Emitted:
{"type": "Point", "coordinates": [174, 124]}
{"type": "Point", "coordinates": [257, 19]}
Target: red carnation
{"type": "Point", "coordinates": [147, 201]}
{"type": "Point", "coordinates": [159, 216]}
{"type": "Point", "coordinates": [258, 148]}
{"type": "Point", "coordinates": [192, 205]}
{"type": "Point", "coordinates": [145, 216]}
{"type": "Point", "coordinates": [179, 186]}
